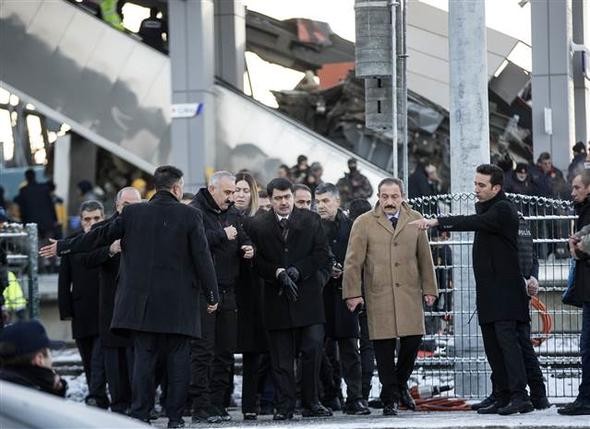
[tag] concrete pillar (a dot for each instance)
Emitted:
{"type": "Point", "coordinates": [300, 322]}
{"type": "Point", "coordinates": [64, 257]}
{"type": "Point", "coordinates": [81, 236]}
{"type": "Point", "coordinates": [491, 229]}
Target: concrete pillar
{"type": "Point", "coordinates": [230, 41]}
{"type": "Point", "coordinates": [469, 131]}
{"type": "Point", "coordinates": [581, 36]}
{"type": "Point", "coordinates": [552, 84]}
{"type": "Point", "coordinates": [192, 67]}
{"type": "Point", "coordinates": [61, 168]}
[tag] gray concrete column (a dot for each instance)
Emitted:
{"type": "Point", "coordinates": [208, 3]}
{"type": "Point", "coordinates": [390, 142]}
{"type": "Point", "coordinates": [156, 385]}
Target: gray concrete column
{"type": "Point", "coordinates": [581, 36]}
{"type": "Point", "coordinates": [552, 84]}
{"type": "Point", "coordinates": [230, 41]}
{"type": "Point", "coordinates": [61, 168]}
{"type": "Point", "coordinates": [469, 131]}
{"type": "Point", "coordinates": [192, 63]}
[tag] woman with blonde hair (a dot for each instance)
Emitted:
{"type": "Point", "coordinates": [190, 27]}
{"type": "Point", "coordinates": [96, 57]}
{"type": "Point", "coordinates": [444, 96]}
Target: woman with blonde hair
{"type": "Point", "coordinates": [246, 195]}
{"type": "Point", "coordinates": [252, 341]}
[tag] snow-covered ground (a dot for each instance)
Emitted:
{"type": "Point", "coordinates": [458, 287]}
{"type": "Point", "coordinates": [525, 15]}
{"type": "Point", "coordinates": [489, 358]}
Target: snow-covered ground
{"type": "Point", "coordinates": [546, 419]}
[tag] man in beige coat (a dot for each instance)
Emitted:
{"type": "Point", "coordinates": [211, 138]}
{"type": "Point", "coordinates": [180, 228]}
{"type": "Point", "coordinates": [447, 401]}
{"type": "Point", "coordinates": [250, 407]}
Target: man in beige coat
{"type": "Point", "coordinates": [393, 261]}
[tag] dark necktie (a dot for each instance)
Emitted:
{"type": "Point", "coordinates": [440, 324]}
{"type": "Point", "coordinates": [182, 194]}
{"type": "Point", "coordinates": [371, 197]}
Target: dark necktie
{"type": "Point", "coordinates": [284, 224]}
{"type": "Point", "coordinates": [393, 221]}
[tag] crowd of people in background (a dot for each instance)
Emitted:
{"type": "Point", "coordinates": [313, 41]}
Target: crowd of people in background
{"type": "Point", "coordinates": [279, 274]}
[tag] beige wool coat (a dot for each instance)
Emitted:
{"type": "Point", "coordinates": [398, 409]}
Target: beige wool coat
{"type": "Point", "coordinates": [396, 269]}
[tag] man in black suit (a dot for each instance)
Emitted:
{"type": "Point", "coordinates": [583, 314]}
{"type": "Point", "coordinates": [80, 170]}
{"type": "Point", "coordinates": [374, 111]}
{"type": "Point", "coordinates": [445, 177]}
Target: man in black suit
{"type": "Point", "coordinates": [502, 302]}
{"type": "Point", "coordinates": [212, 355]}
{"type": "Point", "coordinates": [113, 355]}
{"type": "Point", "coordinates": [342, 326]}
{"type": "Point", "coordinates": [166, 263]}
{"type": "Point", "coordinates": [77, 297]}
{"type": "Point", "coordinates": [291, 250]}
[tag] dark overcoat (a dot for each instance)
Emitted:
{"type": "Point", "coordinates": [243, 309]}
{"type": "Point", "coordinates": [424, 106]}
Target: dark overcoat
{"type": "Point", "coordinates": [340, 322]}
{"type": "Point", "coordinates": [500, 288]}
{"type": "Point", "coordinates": [251, 329]}
{"type": "Point", "coordinates": [582, 279]}
{"type": "Point", "coordinates": [108, 276]}
{"type": "Point", "coordinates": [77, 293]}
{"type": "Point", "coordinates": [306, 249]}
{"type": "Point", "coordinates": [166, 261]}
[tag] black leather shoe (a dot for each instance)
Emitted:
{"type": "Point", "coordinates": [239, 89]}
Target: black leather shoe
{"type": "Point", "coordinates": [492, 409]}
{"type": "Point", "coordinates": [206, 416]}
{"type": "Point", "coordinates": [334, 404]}
{"type": "Point", "coordinates": [406, 399]}
{"type": "Point", "coordinates": [485, 403]}
{"type": "Point", "coordinates": [175, 424]}
{"type": "Point", "coordinates": [516, 406]}
{"type": "Point", "coordinates": [576, 408]}
{"type": "Point", "coordinates": [357, 408]}
{"type": "Point", "coordinates": [390, 409]}
{"type": "Point", "coordinates": [282, 416]}
{"type": "Point", "coordinates": [250, 416]}
{"type": "Point", "coordinates": [541, 403]}
{"type": "Point", "coordinates": [223, 414]}
{"type": "Point", "coordinates": [316, 410]}
{"type": "Point", "coordinates": [375, 403]}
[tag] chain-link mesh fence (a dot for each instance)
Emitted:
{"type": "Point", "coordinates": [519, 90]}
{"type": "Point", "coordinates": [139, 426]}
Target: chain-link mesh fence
{"type": "Point", "coordinates": [452, 353]}
{"type": "Point", "coordinates": [21, 297]}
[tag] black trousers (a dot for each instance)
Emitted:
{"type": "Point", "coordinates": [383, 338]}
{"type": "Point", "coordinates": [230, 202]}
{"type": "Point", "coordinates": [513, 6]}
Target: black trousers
{"type": "Point", "coordinates": [504, 353]}
{"type": "Point", "coordinates": [147, 347]}
{"type": "Point", "coordinates": [367, 356]}
{"type": "Point", "coordinates": [255, 372]}
{"type": "Point", "coordinates": [85, 346]}
{"type": "Point", "coordinates": [285, 345]}
{"type": "Point", "coordinates": [394, 376]}
{"type": "Point", "coordinates": [115, 364]}
{"type": "Point", "coordinates": [97, 386]}
{"type": "Point", "coordinates": [531, 364]}
{"type": "Point", "coordinates": [344, 362]}
{"type": "Point", "coordinates": [212, 355]}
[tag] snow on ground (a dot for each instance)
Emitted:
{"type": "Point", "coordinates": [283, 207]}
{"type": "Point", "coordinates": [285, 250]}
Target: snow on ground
{"type": "Point", "coordinates": [546, 419]}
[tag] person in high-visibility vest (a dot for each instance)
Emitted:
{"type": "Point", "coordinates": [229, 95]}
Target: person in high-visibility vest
{"type": "Point", "coordinates": [110, 14]}
{"type": "Point", "coordinates": [15, 303]}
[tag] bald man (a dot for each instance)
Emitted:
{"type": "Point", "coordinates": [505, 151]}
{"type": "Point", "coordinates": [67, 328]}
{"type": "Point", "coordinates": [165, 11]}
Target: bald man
{"type": "Point", "coordinates": [114, 355]}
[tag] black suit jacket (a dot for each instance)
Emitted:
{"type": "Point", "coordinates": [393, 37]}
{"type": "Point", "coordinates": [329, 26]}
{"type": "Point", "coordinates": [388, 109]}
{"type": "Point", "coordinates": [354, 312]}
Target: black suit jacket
{"type": "Point", "coordinates": [340, 322]}
{"type": "Point", "coordinates": [77, 293]}
{"type": "Point", "coordinates": [108, 276]}
{"type": "Point", "coordinates": [500, 288]}
{"type": "Point", "coordinates": [166, 261]}
{"type": "Point", "coordinates": [306, 249]}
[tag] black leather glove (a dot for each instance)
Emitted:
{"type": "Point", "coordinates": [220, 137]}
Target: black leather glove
{"type": "Point", "coordinates": [288, 286]}
{"type": "Point", "coordinates": [293, 273]}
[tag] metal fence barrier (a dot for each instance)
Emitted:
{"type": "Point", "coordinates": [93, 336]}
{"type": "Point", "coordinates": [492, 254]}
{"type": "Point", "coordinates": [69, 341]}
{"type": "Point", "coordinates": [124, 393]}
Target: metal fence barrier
{"type": "Point", "coordinates": [21, 246]}
{"type": "Point", "coordinates": [452, 353]}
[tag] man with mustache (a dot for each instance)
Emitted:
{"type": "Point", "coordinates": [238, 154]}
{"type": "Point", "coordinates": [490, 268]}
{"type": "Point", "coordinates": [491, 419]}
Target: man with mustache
{"type": "Point", "coordinates": [212, 355]}
{"type": "Point", "coordinates": [394, 263]}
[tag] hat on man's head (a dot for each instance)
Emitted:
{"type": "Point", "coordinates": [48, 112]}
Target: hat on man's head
{"type": "Point", "coordinates": [522, 167]}
{"type": "Point", "coordinates": [23, 338]}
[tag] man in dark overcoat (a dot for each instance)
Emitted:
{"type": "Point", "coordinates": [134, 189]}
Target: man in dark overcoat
{"type": "Point", "coordinates": [115, 358]}
{"type": "Point", "coordinates": [501, 298]}
{"type": "Point", "coordinates": [291, 250]}
{"type": "Point", "coordinates": [212, 355]}
{"type": "Point", "coordinates": [342, 326]}
{"type": "Point", "coordinates": [166, 263]}
{"type": "Point", "coordinates": [581, 197]}
{"type": "Point", "coordinates": [77, 298]}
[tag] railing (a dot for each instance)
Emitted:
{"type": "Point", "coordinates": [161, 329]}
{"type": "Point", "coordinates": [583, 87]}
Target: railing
{"type": "Point", "coordinates": [21, 245]}
{"type": "Point", "coordinates": [452, 353]}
